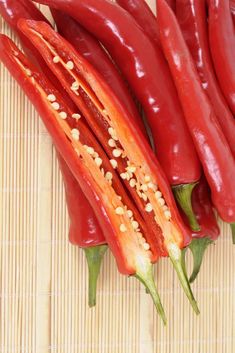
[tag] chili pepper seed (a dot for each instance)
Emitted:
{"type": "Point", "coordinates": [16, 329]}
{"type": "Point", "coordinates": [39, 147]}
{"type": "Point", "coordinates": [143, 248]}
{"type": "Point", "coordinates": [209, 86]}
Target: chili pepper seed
{"type": "Point", "coordinates": [70, 65]}
{"type": "Point", "coordinates": [113, 163]}
{"type": "Point", "coordinates": [119, 210]}
{"type": "Point", "coordinates": [56, 59]}
{"type": "Point", "coordinates": [63, 115]}
{"type": "Point", "coordinates": [123, 228]}
{"type": "Point", "coordinates": [51, 98]}
{"type": "Point", "coordinates": [55, 106]}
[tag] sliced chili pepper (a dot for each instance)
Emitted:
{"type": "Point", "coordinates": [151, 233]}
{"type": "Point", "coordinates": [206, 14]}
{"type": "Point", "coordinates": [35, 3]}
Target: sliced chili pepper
{"type": "Point", "coordinates": [232, 9]}
{"type": "Point", "coordinates": [141, 165]}
{"type": "Point", "coordinates": [146, 70]}
{"type": "Point", "coordinates": [212, 147]}
{"type": "Point", "coordinates": [222, 45]}
{"type": "Point", "coordinates": [92, 169]}
{"type": "Point", "coordinates": [84, 227]}
{"type": "Point", "coordinates": [91, 49]}
{"type": "Point", "coordinates": [209, 232]}
{"type": "Point", "coordinates": [192, 17]}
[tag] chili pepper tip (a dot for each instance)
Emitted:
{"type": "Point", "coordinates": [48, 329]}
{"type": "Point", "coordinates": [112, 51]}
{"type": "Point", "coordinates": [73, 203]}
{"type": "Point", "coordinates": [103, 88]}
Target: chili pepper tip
{"type": "Point", "coordinates": [144, 273]}
{"type": "Point", "coordinates": [198, 247]}
{"type": "Point", "coordinates": [183, 195]}
{"type": "Point", "coordinates": [94, 256]}
{"type": "Point", "coordinates": [177, 260]}
{"type": "Point", "coordinates": [232, 226]}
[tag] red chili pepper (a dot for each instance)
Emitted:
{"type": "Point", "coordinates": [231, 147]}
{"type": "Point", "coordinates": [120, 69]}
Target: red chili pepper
{"type": "Point", "coordinates": [222, 45]}
{"type": "Point", "coordinates": [232, 9]}
{"type": "Point", "coordinates": [91, 49]}
{"type": "Point", "coordinates": [147, 72]}
{"type": "Point", "coordinates": [84, 227]}
{"type": "Point", "coordinates": [144, 16]}
{"type": "Point", "coordinates": [141, 165]}
{"type": "Point", "coordinates": [210, 230]}
{"type": "Point", "coordinates": [212, 147]}
{"type": "Point", "coordinates": [86, 159]}
{"type": "Point", "coordinates": [192, 18]}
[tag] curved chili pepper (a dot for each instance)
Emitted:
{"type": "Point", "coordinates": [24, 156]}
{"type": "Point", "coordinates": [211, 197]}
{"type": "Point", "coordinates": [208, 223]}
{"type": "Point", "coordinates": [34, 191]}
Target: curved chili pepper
{"type": "Point", "coordinates": [147, 72]}
{"type": "Point", "coordinates": [192, 18]}
{"type": "Point", "coordinates": [210, 230]}
{"type": "Point", "coordinates": [212, 147]}
{"type": "Point", "coordinates": [142, 168]}
{"type": "Point", "coordinates": [84, 227]}
{"type": "Point", "coordinates": [91, 49]}
{"type": "Point", "coordinates": [222, 45]}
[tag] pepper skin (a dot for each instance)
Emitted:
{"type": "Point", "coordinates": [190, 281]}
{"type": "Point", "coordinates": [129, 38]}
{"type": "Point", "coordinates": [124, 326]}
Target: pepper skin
{"type": "Point", "coordinates": [192, 18]}
{"type": "Point", "coordinates": [232, 9]}
{"type": "Point", "coordinates": [91, 49]}
{"type": "Point", "coordinates": [142, 167]}
{"type": "Point", "coordinates": [84, 227]}
{"type": "Point", "coordinates": [147, 73]}
{"type": "Point", "coordinates": [222, 45]}
{"type": "Point", "coordinates": [212, 147]}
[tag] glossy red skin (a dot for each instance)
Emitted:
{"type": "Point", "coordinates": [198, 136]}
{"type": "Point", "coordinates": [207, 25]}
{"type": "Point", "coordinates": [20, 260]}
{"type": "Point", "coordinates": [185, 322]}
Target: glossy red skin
{"type": "Point", "coordinates": [192, 17]}
{"type": "Point", "coordinates": [84, 227]}
{"type": "Point", "coordinates": [148, 74]}
{"type": "Point", "coordinates": [222, 45]}
{"type": "Point", "coordinates": [63, 145]}
{"type": "Point", "coordinates": [144, 16]}
{"type": "Point", "coordinates": [121, 116]}
{"type": "Point", "coordinates": [204, 212]}
{"type": "Point", "coordinates": [232, 9]}
{"type": "Point", "coordinates": [91, 49]}
{"type": "Point", "coordinates": [213, 150]}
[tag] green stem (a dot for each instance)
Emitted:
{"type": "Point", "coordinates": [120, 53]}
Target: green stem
{"type": "Point", "coordinates": [94, 256]}
{"type": "Point", "coordinates": [183, 195]}
{"type": "Point", "coordinates": [198, 248]}
{"type": "Point", "coordinates": [144, 273]}
{"type": "Point", "coordinates": [176, 257]}
{"type": "Point", "coordinates": [232, 225]}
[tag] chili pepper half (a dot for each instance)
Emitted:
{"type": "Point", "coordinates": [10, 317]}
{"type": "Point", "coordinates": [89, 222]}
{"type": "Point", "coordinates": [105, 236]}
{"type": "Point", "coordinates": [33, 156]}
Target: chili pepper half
{"type": "Point", "coordinates": [191, 15]}
{"type": "Point", "coordinates": [222, 45]}
{"type": "Point", "coordinates": [232, 9]}
{"type": "Point", "coordinates": [209, 228]}
{"type": "Point", "coordinates": [142, 167]}
{"type": "Point", "coordinates": [147, 73]}
{"type": "Point", "coordinates": [84, 227]}
{"type": "Point", "coordinates": [212, 147]}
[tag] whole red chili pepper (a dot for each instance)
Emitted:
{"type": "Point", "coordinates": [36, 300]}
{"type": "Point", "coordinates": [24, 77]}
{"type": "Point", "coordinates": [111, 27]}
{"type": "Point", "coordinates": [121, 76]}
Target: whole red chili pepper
{"type": "Point", "coordinates": [91, 49]}
{"type": "Point", "coordinates": [222, 45]}
{"type": "Point", "coordinates": [192, 18]}
{"type": "Point", "coordinates": [86, 159]}
{"type": "Point", "coordinates": [209, 232]}
{"type": "Point", "coordinates": [212, 147]}
{"type": "Point", "coordinates": [142, 168]}
{"type": "Point", "coordinates": [147, 72]}
{"type": "Point", "coordinates": [84, 227]}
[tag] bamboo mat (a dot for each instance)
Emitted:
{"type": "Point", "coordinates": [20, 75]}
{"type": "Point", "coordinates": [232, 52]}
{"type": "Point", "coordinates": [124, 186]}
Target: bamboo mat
{"type": "Point", "coordinates": [43, 279]}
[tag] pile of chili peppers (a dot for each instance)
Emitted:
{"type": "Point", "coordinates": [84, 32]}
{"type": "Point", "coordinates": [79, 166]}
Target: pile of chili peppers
{"type": "Point", "coordinates": [141, 112]}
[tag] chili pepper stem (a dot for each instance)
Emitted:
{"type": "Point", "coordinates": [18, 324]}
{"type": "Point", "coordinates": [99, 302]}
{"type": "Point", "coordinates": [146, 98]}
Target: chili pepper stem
{"type": "Point", "coordinates": [232, 225]}
{"type": "Point", "coordinates": [183, 194]}
{"type": "Point", "coordinates": [94, 256]}
{"type": "Point", "coordinates": [176, 257]}
{"type": "Point", "coordinates": [144, 273]}
{"type": "Point", "coordinates": [198, 247]}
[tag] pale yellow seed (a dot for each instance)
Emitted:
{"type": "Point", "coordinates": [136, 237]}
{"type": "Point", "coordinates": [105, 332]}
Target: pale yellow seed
{"type": "Point", "coordinates": [167, 214]}
{"type": "Point", "coordinates": [98, 161]}
{"type": "Point", "coordinates": [90, 150]}
{"type": "Point", "coordinates": [151, 186]}
{"type": "Point", "coordinates": [135, 224]}
{"type": "Point", "coordinates": [70, 65]}
{"type": "Point", "coordinates": [109, 176]}
{"type": "Point", "coordinates": [51, 98]}
{"type": "Point", "coordinates": [147, 178]}
{"type": "Point", "coordinates": [164, 208]}
{"type": "Point", "coordinates": [63, 115]}
{"type": "Point", "coordinates": [95, 155]}
{"type": "Point", "coordinates": [161, 201]}
{"type": "Point", "coordinates": [119, 210]}
{"type": "Point", "coordinates": [113, 163]}
{"type": "Point", "coordinates": [158, 194]}
{"type": "Point", "coordinates": [75, 134]}
{"type": "Point", "coordinates": [123, 176]}
{"type": "Point", "coordinates": [28, 72]}
{"type": "Point", "coordinates": [148, 207]}
{"type": "Point", "coordinates": [56, 59]}
{"type": "Point", "coordinates": [129, 213]}
{"type": "Point", "coordinates": [76, 116]}
{"type": "Point", "coordinates": [75, 86]}
{"type": "Point", "coordinates": [131, 169]}
{"type": "Point", "coordinates": [111, 131]}
{"type": "Point", "coordinates": [132, 183]}
{"type": "Point", "coordinates": [146, 246]}
{"type": "Point", "coordinates": [117, 152]}
{"type": "Point", "coordinates": [144, 187]}
{"type": "Point", "coordinates": [144, 197]}
{"type": "Point", "coordinates": [111, 143]}
{"type": "Point", "coordinates": [123, 228]}
{"type": "Point", "coordinates": [55, 106]}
